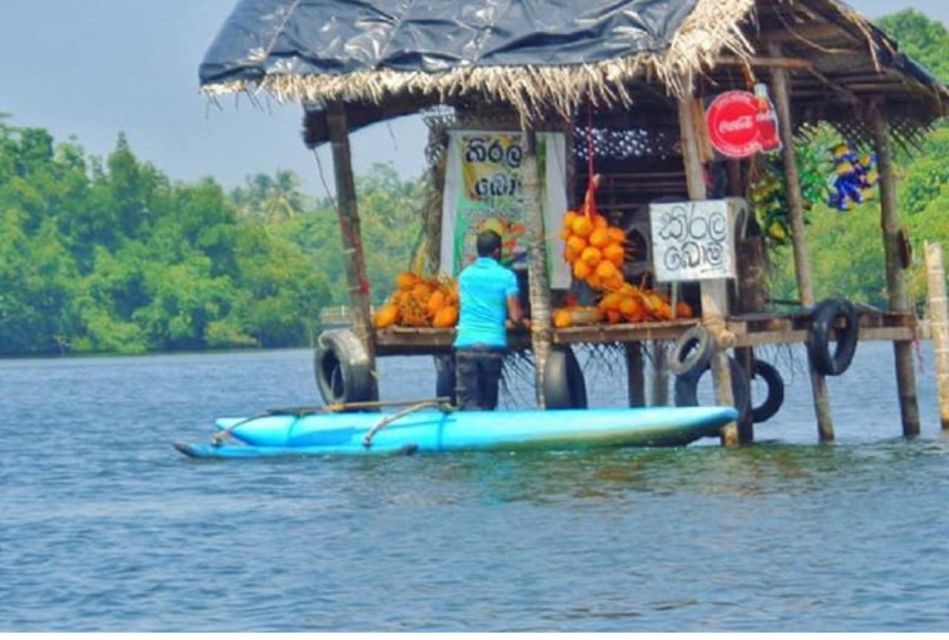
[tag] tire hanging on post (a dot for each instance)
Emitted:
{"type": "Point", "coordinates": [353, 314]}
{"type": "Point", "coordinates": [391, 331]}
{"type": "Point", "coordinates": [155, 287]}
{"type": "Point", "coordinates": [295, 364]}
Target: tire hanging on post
{"type": "Point", "coordinates": [775, 398]}
{"type": "Point", "coordinates": [341, 366]}
{"type": "Point", "coordinates": [818, 338]}
{"type": "Point", "coordinates": [692, 351]}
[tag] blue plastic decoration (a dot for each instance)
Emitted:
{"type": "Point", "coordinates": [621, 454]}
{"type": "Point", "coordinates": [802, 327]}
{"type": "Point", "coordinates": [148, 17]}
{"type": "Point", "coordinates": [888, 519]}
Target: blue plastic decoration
{"type": "Point", "coordinates": [854, 177]}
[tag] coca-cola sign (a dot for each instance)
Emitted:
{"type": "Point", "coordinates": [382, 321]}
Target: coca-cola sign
{"type": "Point", "coordinates": [741, 123]}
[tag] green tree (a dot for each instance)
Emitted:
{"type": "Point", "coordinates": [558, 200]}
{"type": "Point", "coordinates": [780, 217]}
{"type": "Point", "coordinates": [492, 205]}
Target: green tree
{"type": "Point", "coordinates": [924, 39]}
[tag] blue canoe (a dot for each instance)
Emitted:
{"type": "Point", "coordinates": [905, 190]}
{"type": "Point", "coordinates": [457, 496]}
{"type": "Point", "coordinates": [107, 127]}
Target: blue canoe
{"type": "Point", "coordinates": [429, 431]}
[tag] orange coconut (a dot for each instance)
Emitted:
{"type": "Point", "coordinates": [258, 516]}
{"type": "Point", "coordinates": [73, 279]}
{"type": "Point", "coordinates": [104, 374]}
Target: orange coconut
{"type": "Point", "coordinates": [591, 255]}
{"type": "Point", "coordinates": [446, 317]}
{"type": "Point", "coordinates": [386, 316]}
{"type": "Point", "coordinates": [616, 235]}
{"type": "Point", "coordinates": [582, 226]}
{"type": "Point", "coordinates": [614, 283]}
{"type": "Point", "coordinates": [599, 238]}
{"type": "Point", "coordinates": [436, 302]}
{"type": "Point", "coordinates": [562, 318]}
{"type": "Point", "coordinates": [606, 270]}
{"type": "Point", "coordinates": [615, 253]}
{"type": "Point", "coordinates": [581, 270]}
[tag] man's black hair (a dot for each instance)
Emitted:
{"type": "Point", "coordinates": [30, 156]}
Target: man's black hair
{"type": "Point", "coordinates": [488, 242]}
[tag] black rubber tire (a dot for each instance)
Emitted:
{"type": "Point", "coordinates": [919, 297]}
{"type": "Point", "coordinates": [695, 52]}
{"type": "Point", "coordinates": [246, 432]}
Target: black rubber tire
{"type": "Point", "coordinates": [341, 366]}
{"type": "Point", "coordinates": [818, 338]}
{"type": "Point", "coordinates": [686, 388]}
{"type": "Point", "coordinates": [692, 351]}
{"type": "Point", "coordinates": [774, 400]}
{"type": "Point", "coordinates": [445, 376]}
{"type": "Point", "coordinates": [564, 386]}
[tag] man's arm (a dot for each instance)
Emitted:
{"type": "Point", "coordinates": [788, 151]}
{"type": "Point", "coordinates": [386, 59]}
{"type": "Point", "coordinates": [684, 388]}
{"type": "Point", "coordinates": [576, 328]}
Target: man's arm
{"type": "Point", "coordinates": [515, 313]}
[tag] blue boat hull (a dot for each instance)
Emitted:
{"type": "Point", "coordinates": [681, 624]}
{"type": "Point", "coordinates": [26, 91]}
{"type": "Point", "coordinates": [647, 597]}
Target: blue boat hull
{"type": "Point", "coordinates": [434, 431]}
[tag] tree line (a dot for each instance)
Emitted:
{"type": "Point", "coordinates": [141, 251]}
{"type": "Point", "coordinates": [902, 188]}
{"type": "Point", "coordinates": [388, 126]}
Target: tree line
{"type": "Point", "coordinates": [112, 256]}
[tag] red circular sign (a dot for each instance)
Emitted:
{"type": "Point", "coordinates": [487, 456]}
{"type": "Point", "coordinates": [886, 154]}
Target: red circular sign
{"type": "Point", "coordinates": [732, 124]}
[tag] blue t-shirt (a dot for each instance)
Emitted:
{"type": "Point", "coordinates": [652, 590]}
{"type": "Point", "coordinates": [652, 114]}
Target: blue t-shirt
{"type": "Point", "coordinates": [483, 290]}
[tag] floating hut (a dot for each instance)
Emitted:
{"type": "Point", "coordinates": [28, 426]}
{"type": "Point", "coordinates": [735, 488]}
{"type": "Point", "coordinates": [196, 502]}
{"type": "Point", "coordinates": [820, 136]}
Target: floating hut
{"type": "Point", "coordinates": [637, 111]}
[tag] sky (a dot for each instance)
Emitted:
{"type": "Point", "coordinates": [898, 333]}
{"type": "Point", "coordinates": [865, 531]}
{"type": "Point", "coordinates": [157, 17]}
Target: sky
{"type": "Point", "coordinates": [90, 69]}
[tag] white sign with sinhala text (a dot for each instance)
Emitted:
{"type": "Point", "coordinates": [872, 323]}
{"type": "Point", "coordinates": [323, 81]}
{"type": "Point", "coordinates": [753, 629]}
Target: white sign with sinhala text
{"type": "Point", "coordinates": [694, 240]}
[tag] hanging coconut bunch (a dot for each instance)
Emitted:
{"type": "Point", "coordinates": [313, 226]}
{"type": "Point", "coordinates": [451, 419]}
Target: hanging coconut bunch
{"type": "Point", "coordinates": [594, 250]}
{"type": "Point", "coordinates": [420, 302]}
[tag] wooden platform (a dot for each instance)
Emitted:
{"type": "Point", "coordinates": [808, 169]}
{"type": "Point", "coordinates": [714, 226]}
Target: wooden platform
{"type": "Point", "coordinates": [750, 330]}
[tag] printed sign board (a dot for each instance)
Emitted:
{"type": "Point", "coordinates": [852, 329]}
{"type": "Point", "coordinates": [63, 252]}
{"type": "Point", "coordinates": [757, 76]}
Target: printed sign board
{"type": "Point", "coordinates": [695, 240]}
{"type": "Point", "coordinates": [741, 124]}
{"type": "Point", "coordinates": [483, 191]}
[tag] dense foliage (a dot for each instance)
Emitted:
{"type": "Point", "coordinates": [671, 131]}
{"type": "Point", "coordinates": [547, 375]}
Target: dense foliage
{"type": "Point", "coordinates": [113, 257]}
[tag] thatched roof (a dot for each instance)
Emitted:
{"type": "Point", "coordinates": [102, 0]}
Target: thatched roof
{"type": "Point", "coordinates": [390, 57]}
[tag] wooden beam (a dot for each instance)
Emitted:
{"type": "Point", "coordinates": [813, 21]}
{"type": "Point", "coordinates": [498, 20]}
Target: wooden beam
{"type": "Point", "coordinates": [895, 280]}
{"type": "Point", "coordinates": [348, 214]}
{"type": "Point", "coordinates": [802, 266]}
{"type": "Point", "coordinates": [791, 64]}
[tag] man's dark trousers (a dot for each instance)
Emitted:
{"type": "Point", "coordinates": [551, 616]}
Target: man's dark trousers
{"type": "Point", "coordinates": [477, 375]}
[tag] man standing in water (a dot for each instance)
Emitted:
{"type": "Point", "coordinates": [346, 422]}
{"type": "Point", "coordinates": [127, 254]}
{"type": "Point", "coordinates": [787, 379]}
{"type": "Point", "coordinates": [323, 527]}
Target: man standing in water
{"type": "Point", "coordinates": [488, 296]}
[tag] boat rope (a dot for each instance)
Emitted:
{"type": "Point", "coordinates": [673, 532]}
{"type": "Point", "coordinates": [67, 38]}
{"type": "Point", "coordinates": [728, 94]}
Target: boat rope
{"type": "Point", "coordinates": [441, 403]}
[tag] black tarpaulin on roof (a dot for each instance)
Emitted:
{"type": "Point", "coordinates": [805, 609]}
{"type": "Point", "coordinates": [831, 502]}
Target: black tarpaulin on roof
{"type": "Point", "coordinates": [336, 37]}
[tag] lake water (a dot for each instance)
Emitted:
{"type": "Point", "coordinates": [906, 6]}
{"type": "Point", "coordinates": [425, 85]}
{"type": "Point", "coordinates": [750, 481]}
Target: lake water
{"type": "Point", "coordinates": [104, 527]}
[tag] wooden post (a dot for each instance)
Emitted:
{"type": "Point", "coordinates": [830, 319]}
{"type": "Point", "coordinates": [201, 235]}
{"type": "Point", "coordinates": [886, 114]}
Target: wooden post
{"type": "Point", "coordinates": [660, 374]}
{"type": "Point", "coordinates": [539, 293]}
{"type": "Point", "coordinates": [802, 265]}
{"type": "Point", "coordinates": [635, 384]}
{"type": "Point", "coordinates": [714, 293]}
{"type": "Point", "coordinates": [348, 215]}
{"type": "Point", "coordinates": [939, 325]}
{"type": "Point", "coordinates": [895, 280]}
{"type": "Point", "coordinates": [750, 291]}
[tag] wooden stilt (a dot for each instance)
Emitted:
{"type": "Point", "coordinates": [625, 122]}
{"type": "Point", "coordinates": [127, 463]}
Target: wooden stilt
{"type": "Point", "coordinates": [714, 293]}
{"type": "Point", "coordinates": [750, 292]}
{"type": "Point", "coordinates": [939, 325]}
{"type": "Point", "coordinates": [802, 265]}
{"type": "Point", "coordinates": [348, 214]}
{"type": "Point", "coordinates": [895, 280]}
{"type": "Point", "coordinates": [635, 383]}
{"type": "Point", "coordinates": [539, 293]}
{"type": "Point", "coordinates": [660, 375]}
{"type": "Point", "coordinates": [746, 424]}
